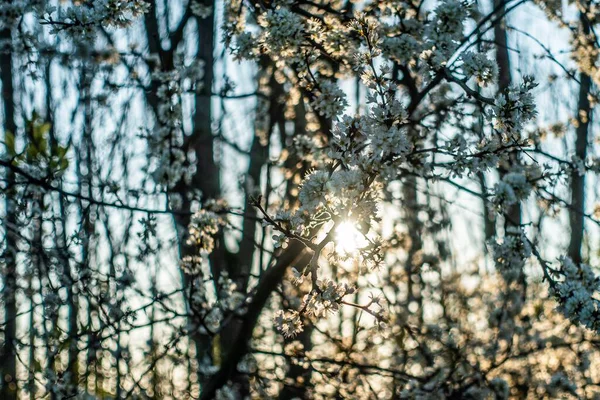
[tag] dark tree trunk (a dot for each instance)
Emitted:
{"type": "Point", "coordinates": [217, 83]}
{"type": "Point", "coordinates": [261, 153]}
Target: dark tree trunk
{"type": "Point", "coordinates": [513, 216]}
{"type": "Point", "coordinates": [577, 211]}
{"type": "Point", "coordinates": [8, 360]}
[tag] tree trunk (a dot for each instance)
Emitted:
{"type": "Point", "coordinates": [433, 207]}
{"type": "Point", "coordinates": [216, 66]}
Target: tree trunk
{"type": "Point", "coordinates": [577, 211]}
{"type": "Point", "coordinates": [513, 216]}
{"type": "Point", "coordinates": [8, 360]}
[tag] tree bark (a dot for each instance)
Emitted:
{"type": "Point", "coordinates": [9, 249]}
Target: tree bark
{"type": "Point", "coordinates": [513, 216]}
{"type": "Point", "coordinates": [269, 281]}
{"type": "Point", "coordinates": [8, 358]}
{"type": "Point", "coordinates": [577, 210]}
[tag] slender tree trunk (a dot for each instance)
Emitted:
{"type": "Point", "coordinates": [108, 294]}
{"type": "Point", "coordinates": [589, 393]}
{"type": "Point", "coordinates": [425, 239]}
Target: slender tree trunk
{"type": "Point", "coordinates": [489, 221]}
{"type": "Point", "coordinates": [294, 254]}
{"type": "Point", "coordinates": [154, 378]}
{"type": "Point", "coordinates": [414, 228]}
{"type": "Point", "coordinates": [513, 216]}
{"type": "Point", "coordinates": [50, 356]}
{"type": "Point", "coordinates": [72, 307]}
{"type": "Point", "coordinates": [8, 360]}
{"type": "Point", "coordinates": [207, 177]}
{"type": "Point", "coordinates": [201, 143]}
{"type": "Point", "coordinates": [85, 170]}
{"type": "Point", "coordinates": [502, 57]}
{"type": "Point", "coordinates": [239, 270]}
{"type": "Point", "coordinates": [577, 211]}
{"type": "Point", "coordinates": [33, 368]}
{"type": "Point", "coordinates": [297, 373]}
{"type": "Point", "coordinates": [489, 224]}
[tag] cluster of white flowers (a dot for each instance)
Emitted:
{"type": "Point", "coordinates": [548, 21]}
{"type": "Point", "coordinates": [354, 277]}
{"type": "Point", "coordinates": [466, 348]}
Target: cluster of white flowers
{"type": "Point", "coordinates": [515, 108]}
{"type": "Point", "coordinates": [204, 225]}
{"type": "Point", "coordinates": [331, 194]}
{"type": "Point", "coordinates": [312, 192]}
{"type": "Point", "coordinates": [330, 101]}
{"type": "Point", "coordinates": [512, 189]}
{"type": "Point", "coordinates": [244, 46]}
{"type": "Point", "coordinates": [470, 157]}
{"type": "Point", "coordinates": [119, 13]}
{"type": "Point", "coordinates": [192, 265]}
{"type": "Point", "coordinates": [210, 311]}
{"type": "Point", "coordinates": [283, 33]}
{"type": "Point", "coordinates": [331, 34]}
{"type": "Point", "coordinates": [306, 147]}
{"type": "Point", "coordinates": [445, 31]}
{"type": "Point", "coordinates": [314, 48]}
{"type": "Point", "coordinates": [170, 164]}
{"type": "Point", "coordinates": [326, 298]}
{"type": "Point", "coordinates": [585, 53]}
{"type": "Point", "coordinates": [576, 288]}
{"type": "Point", "coordinates": [382, 126]}
{"type": "Point", "coordinates": [401, 48]}
{"type": "Point", "coordinates": [80, 21]}
{"type": "Point", "coordinates": [231, 299]}
{"type": "Point", "coordinates": [165, 142]}
{"type": "Point", "coordinates": [288, 323]}
{"type": "Point", "coordinates": [366, 151]}
{"type": "Point", "coordinates": [511, 254]}
{"type": "Point", "coordinates": [480, 67]}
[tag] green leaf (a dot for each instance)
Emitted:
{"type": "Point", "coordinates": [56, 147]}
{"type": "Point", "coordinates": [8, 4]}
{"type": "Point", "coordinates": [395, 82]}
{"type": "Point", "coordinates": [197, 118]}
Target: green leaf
{"type": "Point", "coordinates": [64, 163]}
{"type": "Point", "coordinates": [32, 151]}
{"type": "Point", "coordinates": [9, 141]}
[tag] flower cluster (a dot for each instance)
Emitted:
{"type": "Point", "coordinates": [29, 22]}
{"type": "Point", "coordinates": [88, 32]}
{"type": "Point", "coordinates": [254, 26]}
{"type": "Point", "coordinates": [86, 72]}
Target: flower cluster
{"type": "Point", "coordinates": [202, 229]}
{"type": "Point", "coordinates": [231, 299]}
{"type": "Point", "coordinates": [401, 48]}
{"type": "Point", "coordinates": [80, 21]}
{"type": "Point", "coordinates": [288, 323]}
{"type": "Point", "coordinates": [445, 31]}
{"type": "Point", "coordinates": [512, 189]}
{"type": "Point", "coordinates": [166, 141]}
{"type": "Point", "coordinates": [209, 312]}
{"type": "Point", "coordinates": [283, 33]}
{"type": "Point", "coordinates": [511, 254]}
{"type": "Point", "coordinates": [326, 298]}
{"type": "Point", "coordinates": [331, 100]}
{"type": "Point", "coordinates": [331, 34]}
{"type": "Point", "coordinates": [576, 288]}
{"type": "Point", "coordinates": [515, 108]}
{"type": "Point", "coordinates": [478, 66]}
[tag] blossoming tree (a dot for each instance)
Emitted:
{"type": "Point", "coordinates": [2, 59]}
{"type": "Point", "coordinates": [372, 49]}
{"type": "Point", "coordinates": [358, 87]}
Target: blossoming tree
{"type": "Point", "coordinates": [298, 199]}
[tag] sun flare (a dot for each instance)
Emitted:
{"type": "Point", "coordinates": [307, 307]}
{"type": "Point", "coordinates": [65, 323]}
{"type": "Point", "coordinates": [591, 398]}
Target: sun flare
{"type": "Point", "coordinates": [348, 238]}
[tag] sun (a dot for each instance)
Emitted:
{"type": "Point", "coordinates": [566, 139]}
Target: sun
{"type": "Point", "coordinates": [348, 239]}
